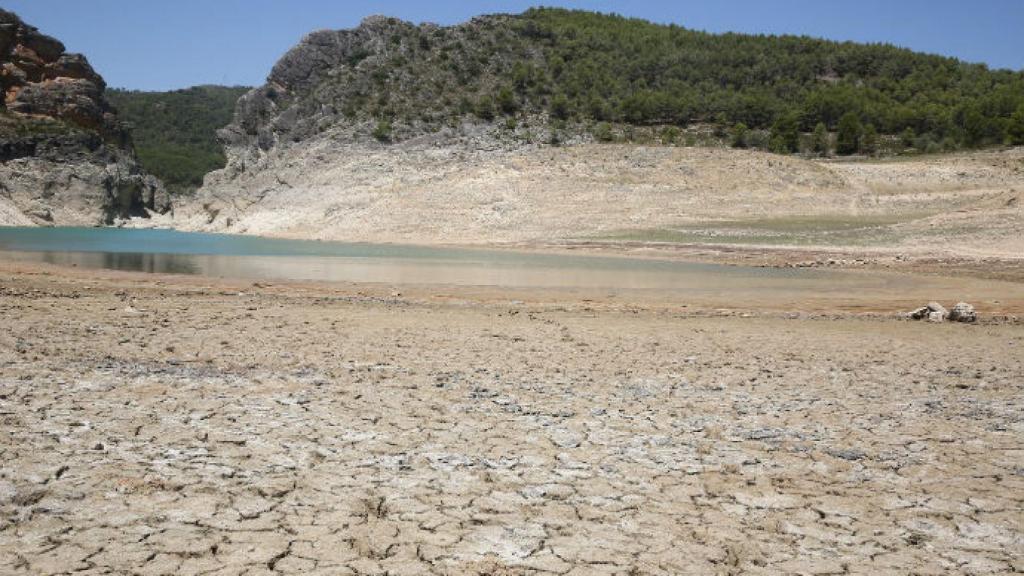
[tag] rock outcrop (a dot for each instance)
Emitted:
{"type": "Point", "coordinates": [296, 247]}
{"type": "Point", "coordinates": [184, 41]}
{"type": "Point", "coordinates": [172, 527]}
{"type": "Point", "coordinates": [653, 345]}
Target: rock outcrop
{"type": "Point", "coordinates": [935, 312]}
{"type": "Point", "coordinates": [340, 84]}
{"type": "Point", "coordinates": [65, 158]}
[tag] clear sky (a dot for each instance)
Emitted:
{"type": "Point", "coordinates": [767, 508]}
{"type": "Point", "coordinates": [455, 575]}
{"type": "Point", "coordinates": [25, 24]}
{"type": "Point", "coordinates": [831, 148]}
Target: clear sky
{"type": "Point", "coordinates": [166, 44]}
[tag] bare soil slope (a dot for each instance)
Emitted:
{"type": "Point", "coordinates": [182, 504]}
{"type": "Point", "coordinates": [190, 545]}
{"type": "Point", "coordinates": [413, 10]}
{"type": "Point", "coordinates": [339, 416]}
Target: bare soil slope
{"type": "Point", "coordinates": [959, 205]}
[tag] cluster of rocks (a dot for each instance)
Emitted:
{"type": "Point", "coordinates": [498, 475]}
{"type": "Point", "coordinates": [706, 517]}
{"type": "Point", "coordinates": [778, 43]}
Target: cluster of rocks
{"type": "Point", "coordinates": [935, 312]}
{"type": "Point", "coordinates": [821, 262]}
{"type": "Point", "coordinates": [65, 157]}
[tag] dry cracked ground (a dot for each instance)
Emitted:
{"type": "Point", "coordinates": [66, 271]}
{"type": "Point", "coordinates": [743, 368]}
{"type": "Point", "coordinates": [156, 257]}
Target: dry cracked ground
{"type": "Point", "coordinates": [175, 427]}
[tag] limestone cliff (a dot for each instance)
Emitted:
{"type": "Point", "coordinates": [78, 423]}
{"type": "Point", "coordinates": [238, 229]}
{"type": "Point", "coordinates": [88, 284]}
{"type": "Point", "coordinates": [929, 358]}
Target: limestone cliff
{"type": "Point", "coordinates": [65, 158]}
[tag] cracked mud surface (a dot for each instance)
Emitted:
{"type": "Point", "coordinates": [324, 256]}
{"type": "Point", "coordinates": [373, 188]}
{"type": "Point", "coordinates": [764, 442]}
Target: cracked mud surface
{"type": "Point", "coordinates": [180, 428]}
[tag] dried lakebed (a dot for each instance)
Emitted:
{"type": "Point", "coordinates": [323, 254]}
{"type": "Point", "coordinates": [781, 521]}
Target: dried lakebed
{"type": "Point", "coordinates": [156, 424]}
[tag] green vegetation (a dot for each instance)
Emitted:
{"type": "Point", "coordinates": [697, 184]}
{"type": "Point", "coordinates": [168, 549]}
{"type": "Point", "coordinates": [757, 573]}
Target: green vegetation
{"type": "Point", "coordinates": [785, 134]}
{"type": "Point", "coordinates": [1016, 128]}
{"type": "Point", "coordinates": [740, 133]}
{"type": "Point", "coordinates": [869, 140]}
{"type": "Point", "coordinates": [175, 132]}
{"type": "Point", "coordinates": [382, 131]}
{"type": "Point", "coordinates": [820, 140]}
{"type": "Point", "coordinates": [590, 70]}
{"type": "Point", "coordinates": [849, 134]}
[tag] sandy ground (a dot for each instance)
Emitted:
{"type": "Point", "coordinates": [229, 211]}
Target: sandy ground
{"type": "Point", "coordinates": [182, 425]}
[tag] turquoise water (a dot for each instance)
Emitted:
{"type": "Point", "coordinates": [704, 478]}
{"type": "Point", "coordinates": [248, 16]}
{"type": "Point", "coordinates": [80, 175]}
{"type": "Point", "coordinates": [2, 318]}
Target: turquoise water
{"type": "Point", "coordinates": [151, 241]}
{"type": "Point", "coordinates": [221, 255]}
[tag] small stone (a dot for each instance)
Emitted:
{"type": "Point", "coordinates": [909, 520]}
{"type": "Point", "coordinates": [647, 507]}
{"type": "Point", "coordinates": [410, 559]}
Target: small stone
{"type": "Point", "coordinates": [851, 454]}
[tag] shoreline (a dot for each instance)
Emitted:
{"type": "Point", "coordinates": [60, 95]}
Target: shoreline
{"type": "Point", "coordinates": [997, 307]}
{"type": "Point", "coordinates": [942, 263]}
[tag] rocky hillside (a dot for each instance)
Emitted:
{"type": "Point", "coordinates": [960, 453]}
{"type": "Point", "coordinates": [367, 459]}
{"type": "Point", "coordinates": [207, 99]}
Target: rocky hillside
{"type": "Point", "coordinates": [393, 132]}
{"type": "Point", "coordinates": [551, 75]}
{"type": "Point", "coordinates": [65, 157]}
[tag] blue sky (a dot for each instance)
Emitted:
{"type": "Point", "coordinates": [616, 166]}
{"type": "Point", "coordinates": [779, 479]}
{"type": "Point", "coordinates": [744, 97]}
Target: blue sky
{"type": "Point", "coordinates": [166, 44]}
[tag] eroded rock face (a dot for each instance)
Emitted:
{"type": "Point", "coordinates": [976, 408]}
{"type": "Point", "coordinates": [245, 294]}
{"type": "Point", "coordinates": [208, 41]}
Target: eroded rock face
{"type": "Point", "coordinates": [65, 158]}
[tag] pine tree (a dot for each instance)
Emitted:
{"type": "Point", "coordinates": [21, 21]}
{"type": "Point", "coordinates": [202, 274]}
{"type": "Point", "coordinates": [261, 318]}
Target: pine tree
{"type": "Point", "coordinates": [1015, 130]}
{"type": "Point", "coordinates": [820, 140]}
{"type": "Point", "coordinates": [849, 134]}
{"type": "Point", "coordinates": [785, 134]}
{"type": "Point", "coordinates": [739, 135]}
{"type": "Point", "coordinates": [869, 142]}
{"type": "Point", "coordinates": [560, 107]}
{"type": "Point", "coordinates": [507, 101]}
{"type": "Point", "coordinates": [908, 137]}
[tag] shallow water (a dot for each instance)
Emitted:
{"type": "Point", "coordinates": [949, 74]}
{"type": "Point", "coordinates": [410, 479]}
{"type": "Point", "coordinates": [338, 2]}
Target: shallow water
{"type": "Point", "coordinates": [250, 257]}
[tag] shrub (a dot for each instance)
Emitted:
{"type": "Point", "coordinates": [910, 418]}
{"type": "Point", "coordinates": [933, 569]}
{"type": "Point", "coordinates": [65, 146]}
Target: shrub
{"type": "Point", "coordinates": [740, 132]}
{"type": "Point", "coordinates": [603, 132]}
{"type": "Point", "coordinates": [484, 108]}
{"type": "Point", "coordinates": [507, 101]}
{"type": "Point", "coordinates": [382, 131]}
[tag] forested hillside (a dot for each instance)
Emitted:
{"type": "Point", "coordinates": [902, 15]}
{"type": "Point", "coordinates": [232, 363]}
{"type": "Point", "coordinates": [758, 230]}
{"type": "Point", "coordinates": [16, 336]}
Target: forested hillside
{"type": "Point", "coordinates": [607, 73]}
{"type": "Point", "coordinates": [175, 132]}
{"type": "Point", "coordinates": [630, 70]}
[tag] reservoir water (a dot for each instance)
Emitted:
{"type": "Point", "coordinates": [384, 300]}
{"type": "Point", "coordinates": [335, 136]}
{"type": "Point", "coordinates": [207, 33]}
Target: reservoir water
{"type": "Point", "coordinates": [251, 257]}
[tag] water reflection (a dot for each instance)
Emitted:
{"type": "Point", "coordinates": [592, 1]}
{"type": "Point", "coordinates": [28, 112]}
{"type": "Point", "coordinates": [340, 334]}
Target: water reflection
{"type": "Point", "coordinates": [524, 271]}
{"type": "Point", "coordinates": [127, 261]}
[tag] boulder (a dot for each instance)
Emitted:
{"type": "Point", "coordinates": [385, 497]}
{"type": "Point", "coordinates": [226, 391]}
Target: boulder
{"type": "Point", "coordinates": [963, 312]}
{"type": "Point", "coordinates": [935, 312]}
